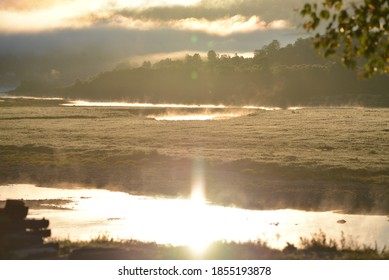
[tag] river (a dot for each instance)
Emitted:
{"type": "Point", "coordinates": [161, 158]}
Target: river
{"type": "Point", "coordinates": [82, 214]}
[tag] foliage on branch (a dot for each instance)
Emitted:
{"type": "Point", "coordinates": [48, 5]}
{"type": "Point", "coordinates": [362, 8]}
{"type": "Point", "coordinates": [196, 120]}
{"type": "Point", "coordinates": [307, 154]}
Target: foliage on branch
{"type": "Point", "coordinates": [358, 32]}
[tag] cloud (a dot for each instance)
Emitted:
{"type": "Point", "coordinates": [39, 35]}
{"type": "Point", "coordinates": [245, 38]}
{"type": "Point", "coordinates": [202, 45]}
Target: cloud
{"type": "Point", "coordinates": [214, 17]}
{"type": "Point", "coordinates": [126, 28]}
{"type": "Point", "coordinates": [278, 24]}
{"type": "Point", "coordinates": [40, 20]}
{"type": "Point", "coordinates": [23, 5]}
{"type": "Point", "coordinates": [226, 26]}
{"type": "Point", "coordinates": [223, 26]}
{"type": "Point", "coordinates": [219, 27]}
{"type": "Point", "coordinates": [79, 38]}
{"type": "Point", "coordinates": [118, 42]}
{"type": "Point", "coordinates": [268, 10]}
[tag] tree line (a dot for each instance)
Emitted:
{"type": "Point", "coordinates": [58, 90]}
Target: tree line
{"type": "Point", "coordinates": [275, 75]}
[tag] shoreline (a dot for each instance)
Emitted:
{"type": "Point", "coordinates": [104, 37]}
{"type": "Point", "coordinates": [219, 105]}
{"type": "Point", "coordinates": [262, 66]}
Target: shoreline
{"type": "Point", "coordinates": [316, 248]}
{"type": "Point", "coordinates": [225, 188]}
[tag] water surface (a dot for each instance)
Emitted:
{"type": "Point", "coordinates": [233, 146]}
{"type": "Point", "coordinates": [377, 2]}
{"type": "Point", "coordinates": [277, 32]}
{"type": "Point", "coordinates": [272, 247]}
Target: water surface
{"type": "Point", "coordinates": [90, 213]}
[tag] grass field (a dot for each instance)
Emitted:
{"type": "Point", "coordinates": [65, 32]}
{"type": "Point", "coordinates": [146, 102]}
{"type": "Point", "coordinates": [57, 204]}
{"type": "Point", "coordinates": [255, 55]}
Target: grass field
{"type": "Point", "coordinates": [312, 158]}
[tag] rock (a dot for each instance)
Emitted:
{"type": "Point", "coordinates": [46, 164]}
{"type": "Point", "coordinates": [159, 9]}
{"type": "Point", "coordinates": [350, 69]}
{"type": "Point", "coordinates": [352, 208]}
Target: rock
{"type": "Point", "coordinates": [341, 221]}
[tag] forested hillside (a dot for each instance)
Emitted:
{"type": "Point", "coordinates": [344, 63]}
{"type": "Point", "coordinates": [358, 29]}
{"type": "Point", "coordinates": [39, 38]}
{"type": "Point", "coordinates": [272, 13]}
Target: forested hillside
{"type": "Point", "coordinates": [287, 76]}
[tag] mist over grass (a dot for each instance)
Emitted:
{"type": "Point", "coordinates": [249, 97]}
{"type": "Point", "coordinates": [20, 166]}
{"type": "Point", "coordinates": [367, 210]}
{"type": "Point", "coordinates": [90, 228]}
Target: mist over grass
{"type": "Point", "coordinates": [313, 158]}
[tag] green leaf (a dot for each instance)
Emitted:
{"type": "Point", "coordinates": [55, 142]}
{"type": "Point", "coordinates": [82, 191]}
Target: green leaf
{"type": "Point", "coordinates": [357, 30]}
{"type": "Point", "coordinates": [325, 14]}
{"type": "Point", "coordinates": [306, 10]}
{"type": "Point", "coordinates": [338, 5]}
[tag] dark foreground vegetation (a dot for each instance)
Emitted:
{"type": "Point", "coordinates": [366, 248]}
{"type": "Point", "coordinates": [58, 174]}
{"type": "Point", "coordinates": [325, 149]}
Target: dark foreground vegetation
{"type": "Point", "coordinates": [318, 247]}
{"type": "Point", "coordinates": [274, 76]}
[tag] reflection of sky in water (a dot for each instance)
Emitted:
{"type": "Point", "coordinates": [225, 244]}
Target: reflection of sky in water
{"type": "Point", "coordinates": [82, 103]}
{"type": "Point", "coordinates": [196, 117]}
{"type": "Point", "coordinates": [181, 221]}
{"type": "Point", "coordinates": [29, 97]}
{"type": "Point", "coordinates": [228, 111]}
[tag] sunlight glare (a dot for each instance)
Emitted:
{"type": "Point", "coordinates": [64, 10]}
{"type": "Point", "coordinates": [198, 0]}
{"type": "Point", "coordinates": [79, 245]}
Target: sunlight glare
{"type": "Point", "coordinates": [198, 182]}
{"type": "Point", "coordinates": [196, 117]}
{"type": "Point", "coordinates": [200, 240]}
{"type": "Point", "coordinates": [199, 225]}
{"type": "Point", "coordinates": [89, 213]}
{"type": "Point", "coordinates": [184, 117]}
{"type": "Point", "coordinates": [197, 194]}
{"type": "Point", "coordinates": [262, 108]}
{"type": "Point", "coordinates": [82, 103]}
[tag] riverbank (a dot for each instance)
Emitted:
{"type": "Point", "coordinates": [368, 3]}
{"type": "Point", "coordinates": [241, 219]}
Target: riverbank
{"type": "Point", "coordinates": [319, 247]}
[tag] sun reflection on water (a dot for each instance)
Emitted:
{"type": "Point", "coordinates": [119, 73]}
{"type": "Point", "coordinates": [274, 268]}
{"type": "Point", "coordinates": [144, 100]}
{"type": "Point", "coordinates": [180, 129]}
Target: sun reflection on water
{"type": "Point", "coordinates": [191, 222]}
{"type": "Point", "coordinates": [208, 111]}
{"type": "Point", "coordinates": [198, 182]}
{"type": "Point", "coordinates": [198, 218]}
{"type": "Point", "coordinates": [83, 103]}
{"type": "Point", "coordinates": [196, 117]}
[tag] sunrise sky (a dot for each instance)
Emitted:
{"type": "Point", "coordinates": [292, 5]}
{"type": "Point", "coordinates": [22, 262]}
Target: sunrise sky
{"type": "Point", "coordinates": [223, 22]}
{"type": "Point", "coordinates": [101, 34]}
{"type": "Point", "coordinates": [220, 18]}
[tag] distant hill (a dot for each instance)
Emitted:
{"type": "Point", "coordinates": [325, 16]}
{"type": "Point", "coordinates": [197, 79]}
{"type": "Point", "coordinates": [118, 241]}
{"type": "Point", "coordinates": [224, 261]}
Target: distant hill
{"type": "Point", "coordinates": [292, 75]}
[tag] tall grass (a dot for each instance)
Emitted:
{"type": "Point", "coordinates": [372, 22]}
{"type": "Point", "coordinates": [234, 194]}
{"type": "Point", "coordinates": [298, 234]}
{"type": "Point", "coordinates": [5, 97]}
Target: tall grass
{"type": "Point", "coordinates": [317, 247]}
